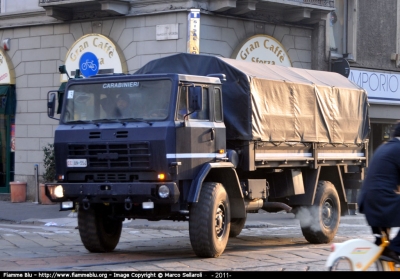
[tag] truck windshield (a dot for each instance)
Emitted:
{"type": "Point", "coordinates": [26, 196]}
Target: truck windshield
{"type": "Point", "coordinates": [127, 100]}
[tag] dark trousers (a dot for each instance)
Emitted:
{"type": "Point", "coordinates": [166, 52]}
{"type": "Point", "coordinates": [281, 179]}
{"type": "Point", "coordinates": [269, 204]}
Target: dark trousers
{"type": "Point", "coordinates": [394, 243]}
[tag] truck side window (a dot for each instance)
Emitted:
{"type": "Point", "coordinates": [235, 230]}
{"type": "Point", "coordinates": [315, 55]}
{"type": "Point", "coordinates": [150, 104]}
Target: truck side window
{"type": "Point", "coordinates": [182, 103]}
{"type": "Point", "coordinates": [183, 109]}
{"type": "Point", "coordinates": [204, 113]}
{"type": "Point", "coordinates": [217, 105]}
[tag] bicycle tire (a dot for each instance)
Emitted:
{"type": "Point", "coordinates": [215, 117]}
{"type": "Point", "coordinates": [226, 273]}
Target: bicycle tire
{"type": "Point", "coordinates": [344, 264]}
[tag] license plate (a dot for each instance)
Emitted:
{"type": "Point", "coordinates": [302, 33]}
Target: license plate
{"type": "Point", "coordinates": [76, 163]}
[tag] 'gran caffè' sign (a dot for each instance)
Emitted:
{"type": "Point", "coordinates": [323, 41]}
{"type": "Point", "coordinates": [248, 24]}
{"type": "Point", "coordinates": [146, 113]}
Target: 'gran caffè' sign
{"type": "Point", "coordinates": [262, 49]}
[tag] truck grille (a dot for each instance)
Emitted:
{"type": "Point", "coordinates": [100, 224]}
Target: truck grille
{"type": "Point", "coordinates": [119, 155]}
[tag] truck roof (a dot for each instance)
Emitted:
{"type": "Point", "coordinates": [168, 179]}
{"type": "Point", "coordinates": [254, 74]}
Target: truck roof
{"type": "Point", "coordinates": [279, 104]}
{"type": "Point", "coordinates": [180, 77]}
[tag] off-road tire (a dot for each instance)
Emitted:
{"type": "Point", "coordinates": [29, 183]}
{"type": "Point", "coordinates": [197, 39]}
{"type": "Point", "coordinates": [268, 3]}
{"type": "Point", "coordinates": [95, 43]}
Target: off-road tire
{"type": "Point", "coordinates": [99, 231]}
{"type": "Point", "coordinates": [209, 221]}
{"type": "Point", "coordinates": [319, 222]}
{"type": "Point", "coordinates": [237, 225]}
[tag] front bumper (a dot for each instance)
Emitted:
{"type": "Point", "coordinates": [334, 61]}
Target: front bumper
{"type": "Point", "coordinates": [137, 192]}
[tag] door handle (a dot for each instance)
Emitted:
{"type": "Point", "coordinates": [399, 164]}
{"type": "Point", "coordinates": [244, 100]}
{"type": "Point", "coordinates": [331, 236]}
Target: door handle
{"type": "Point", "coordinates": [212, 134]}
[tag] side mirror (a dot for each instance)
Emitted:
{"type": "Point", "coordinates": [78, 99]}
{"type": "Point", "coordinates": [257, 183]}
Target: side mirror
{"type": "Point", "coordinates": [63, 70]}
{"type": "Point", "coordinates": [195, 98]}
{"type": "Point", "coordinates": [51, 104]}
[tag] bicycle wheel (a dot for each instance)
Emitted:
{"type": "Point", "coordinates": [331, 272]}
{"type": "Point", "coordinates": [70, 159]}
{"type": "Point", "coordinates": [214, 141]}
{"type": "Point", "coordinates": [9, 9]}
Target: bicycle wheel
{"type": "Point", "coordinates": [379, 265]}
{"type": "Point", "coordinates": [344, 264]}
{"type": "Point", "coordinates": [388, 266]}
{"type": "Point", "coordinates": [341, 264]}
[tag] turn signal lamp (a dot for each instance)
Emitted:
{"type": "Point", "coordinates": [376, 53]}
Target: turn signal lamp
{"type": "Point", "coordinates": [221, 151]}
{"type": "Point", "coordinates": [161, 176]}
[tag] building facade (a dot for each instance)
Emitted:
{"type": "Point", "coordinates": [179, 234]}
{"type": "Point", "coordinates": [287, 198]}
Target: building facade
{"type": "Point", "coordinates": [374, 43]}
{"type": "Point", "coordinates": [40, 35]}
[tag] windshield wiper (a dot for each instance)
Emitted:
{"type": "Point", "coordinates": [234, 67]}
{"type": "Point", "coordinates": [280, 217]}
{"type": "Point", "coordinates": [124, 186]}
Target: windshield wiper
{"type": "Point", "coordinates": [79, 121]}
{"type": "Point", "coordinates": [136, 119]}
{"type": "Point", "coordinates": [107, 120]}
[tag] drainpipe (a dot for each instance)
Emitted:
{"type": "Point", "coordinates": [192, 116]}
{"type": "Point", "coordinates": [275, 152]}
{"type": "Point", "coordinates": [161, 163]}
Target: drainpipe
{"type": "Point", "coordinates": [345, 26]}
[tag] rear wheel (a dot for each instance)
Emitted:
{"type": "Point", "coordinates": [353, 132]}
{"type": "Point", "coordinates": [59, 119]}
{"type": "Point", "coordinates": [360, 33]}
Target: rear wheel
{"type": "Point", "coordinates": [209, 221]}
{"type": "Point", "coordinates": [319, 222]}
{"type": "Point", "coordinates": [99, 231]}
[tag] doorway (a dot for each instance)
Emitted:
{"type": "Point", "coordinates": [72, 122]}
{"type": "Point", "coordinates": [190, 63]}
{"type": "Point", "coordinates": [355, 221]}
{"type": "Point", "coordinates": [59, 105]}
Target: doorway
{"type": "Point", "coordinates": [7, 136]}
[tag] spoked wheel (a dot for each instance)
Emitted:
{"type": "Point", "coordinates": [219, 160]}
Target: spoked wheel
{"type": "Point", "coordinates": [319, 222]}
{"type": "Point", "coordinates": [209, 221]}
{"type": "Point", "coordinates": [99, 231]}
{"type": "Point", "coordinates": [344, 264]}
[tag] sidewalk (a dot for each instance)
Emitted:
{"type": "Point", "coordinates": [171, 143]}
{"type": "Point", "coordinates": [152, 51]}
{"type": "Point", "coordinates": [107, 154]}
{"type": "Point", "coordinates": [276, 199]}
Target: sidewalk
{"type": "Point", "coordinates": [31, 213]}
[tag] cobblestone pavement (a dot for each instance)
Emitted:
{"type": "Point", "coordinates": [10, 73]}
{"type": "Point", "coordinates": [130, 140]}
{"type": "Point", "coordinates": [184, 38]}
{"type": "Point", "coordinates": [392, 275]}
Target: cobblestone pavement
{"type": "Point", "coordinates": [47, 248]}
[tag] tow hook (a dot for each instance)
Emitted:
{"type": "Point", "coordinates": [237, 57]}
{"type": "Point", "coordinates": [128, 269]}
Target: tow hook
{"type": "Point", "coordinates": [128, 204]}
{"type": "Point", "coordinates": [85, 204]}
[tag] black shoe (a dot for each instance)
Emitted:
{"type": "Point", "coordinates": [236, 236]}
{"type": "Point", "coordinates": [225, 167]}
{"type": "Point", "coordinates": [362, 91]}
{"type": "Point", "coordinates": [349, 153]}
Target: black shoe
{"type": "Point", "coordinates": [390, 256]}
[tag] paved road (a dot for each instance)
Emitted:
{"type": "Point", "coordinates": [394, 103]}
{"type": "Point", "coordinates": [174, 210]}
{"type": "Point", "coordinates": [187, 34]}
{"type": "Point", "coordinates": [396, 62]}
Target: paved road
{"type": "Point", "coordinates": [273, 244]}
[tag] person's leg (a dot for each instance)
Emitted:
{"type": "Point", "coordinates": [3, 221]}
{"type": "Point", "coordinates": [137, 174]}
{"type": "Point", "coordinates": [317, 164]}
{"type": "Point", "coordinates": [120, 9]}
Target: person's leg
{"type": "Point", "coordinates": [390, 253]}
{"type": "Point", "coordinates": [395, 243]}
{"type": "Point", "coordinates": [377, 232]}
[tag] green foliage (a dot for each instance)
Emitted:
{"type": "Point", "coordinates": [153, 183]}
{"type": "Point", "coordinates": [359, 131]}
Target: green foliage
{"type": "Point", "coordinates": [49, 163]}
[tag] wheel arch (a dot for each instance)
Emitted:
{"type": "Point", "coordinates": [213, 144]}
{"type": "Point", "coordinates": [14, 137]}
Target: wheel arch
{"type": "Point", "coordinates": [224, 173]}
{"type": "Point", "coordinates": [311, 178]}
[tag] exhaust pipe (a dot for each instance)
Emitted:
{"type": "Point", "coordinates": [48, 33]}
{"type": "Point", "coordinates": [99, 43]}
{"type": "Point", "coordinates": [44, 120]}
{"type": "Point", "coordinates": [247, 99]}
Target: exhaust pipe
{"type": "Point", "coordinates": [276, 206]}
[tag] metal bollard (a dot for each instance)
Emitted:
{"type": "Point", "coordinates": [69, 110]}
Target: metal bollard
{"type": "Point", "coordinates": [36, 169]}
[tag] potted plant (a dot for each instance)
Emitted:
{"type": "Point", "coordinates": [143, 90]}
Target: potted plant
{"type": "Point", "coordinates": [49, 173]}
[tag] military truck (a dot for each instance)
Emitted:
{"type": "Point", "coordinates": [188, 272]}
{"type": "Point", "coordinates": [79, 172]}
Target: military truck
{"type": "Point", "coordinates": [209, 141]}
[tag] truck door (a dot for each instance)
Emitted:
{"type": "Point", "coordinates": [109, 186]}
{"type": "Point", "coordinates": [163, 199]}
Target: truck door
{"type": "Point", "coordinates": [195, 132]}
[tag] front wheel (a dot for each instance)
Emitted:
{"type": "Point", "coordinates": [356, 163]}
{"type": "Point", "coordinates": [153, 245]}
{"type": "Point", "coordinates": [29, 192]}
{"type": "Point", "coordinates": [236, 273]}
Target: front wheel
{"type": "Point", "coordinates": [209, 221]}
{"type": "Point", "coordinates": [319, 222]}
{"type": "Point", "coordinates": [99, 231]}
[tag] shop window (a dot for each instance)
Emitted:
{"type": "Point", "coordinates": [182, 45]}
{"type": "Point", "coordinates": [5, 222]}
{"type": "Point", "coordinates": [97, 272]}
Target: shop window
{"type": "Point", "coordinates": [386, 132]}
{"type": "Point", "coordinates": [380, 133]}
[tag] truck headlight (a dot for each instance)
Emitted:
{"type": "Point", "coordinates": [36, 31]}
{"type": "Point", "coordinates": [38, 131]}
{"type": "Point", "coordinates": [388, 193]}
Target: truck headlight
{"type": "Point", "coordinates": [163, 191]}
{"type": "Point", "coordinates": [58, 191]}
{"type": "Point", "coordinates": [55, 191]}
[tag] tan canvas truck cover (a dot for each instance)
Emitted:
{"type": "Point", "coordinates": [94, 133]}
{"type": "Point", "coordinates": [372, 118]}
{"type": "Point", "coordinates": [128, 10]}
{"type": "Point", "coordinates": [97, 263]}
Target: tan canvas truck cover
{"type": "Point", "coordinates": [279, 104]}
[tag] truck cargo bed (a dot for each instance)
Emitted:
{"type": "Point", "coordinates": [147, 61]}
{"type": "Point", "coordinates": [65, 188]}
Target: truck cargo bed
{"type": "Point", "coordinates": [277, 104]}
